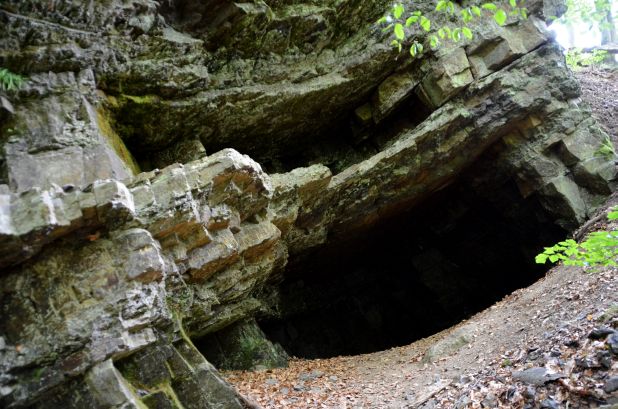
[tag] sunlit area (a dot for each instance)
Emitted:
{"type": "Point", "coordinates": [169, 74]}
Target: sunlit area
{"type": "Point", "coordinates": [588, 26]}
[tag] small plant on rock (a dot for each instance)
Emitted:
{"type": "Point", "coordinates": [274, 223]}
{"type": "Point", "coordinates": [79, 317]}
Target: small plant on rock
{"type": "Point", "coordinates": [10, 81]}
{"type": "Point", "coordinates": [606, 149]}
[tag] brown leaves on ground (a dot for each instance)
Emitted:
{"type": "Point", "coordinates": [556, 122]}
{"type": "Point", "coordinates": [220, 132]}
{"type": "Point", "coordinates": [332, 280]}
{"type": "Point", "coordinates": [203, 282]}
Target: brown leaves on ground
{"type": "Point", "coordinates": [545, 326]}
{"type": "Point", "coordinates": [600, 90]}
{"type": "Point", "coordinates": [319, 383]}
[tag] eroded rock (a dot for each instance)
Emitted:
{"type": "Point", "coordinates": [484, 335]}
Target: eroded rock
{"type": "Point", "coordinates": [108, 271]}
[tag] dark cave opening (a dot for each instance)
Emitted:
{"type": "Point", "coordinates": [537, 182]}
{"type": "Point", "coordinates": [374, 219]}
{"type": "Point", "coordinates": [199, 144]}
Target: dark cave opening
{"type": "Point", "coordinates": [412, 276]}
{"type": "Point", "coordinates": [348, 140]}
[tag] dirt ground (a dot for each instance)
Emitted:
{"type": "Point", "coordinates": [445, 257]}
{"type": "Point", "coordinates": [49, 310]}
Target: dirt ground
{"type": "Point", "coordinates": [559, 330]}
{"type": "Point", "coordinates": [600, 90]}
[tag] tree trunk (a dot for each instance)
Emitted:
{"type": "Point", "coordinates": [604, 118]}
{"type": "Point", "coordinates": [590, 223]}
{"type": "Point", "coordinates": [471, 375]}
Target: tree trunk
{"type": "Point", "coordinates": [608, 33]}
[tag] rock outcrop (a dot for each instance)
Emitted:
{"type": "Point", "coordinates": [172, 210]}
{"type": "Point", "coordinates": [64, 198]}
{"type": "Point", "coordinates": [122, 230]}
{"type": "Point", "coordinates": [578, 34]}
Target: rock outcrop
{"type": "Point", "coordinates": [131, 226]}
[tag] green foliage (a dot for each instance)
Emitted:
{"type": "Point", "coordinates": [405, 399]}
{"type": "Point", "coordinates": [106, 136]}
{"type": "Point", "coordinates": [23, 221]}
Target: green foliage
{"type": "Point", "coordinates": [599, 249]}
{"type": "Point", "coordinates": [10, 81]}
{"type": "Point", "coordinates": [590, 12]}
{"type": "Point", "coordinates": [401, 26]}
{"type": "Point", "coordinates": [506, 363]}
{"type": "Point", "coordinates": [500, 17]}
{"type": "Point", "coordinates": [576, 59]}
{"type": "Point", "coordinates": [606, 149]}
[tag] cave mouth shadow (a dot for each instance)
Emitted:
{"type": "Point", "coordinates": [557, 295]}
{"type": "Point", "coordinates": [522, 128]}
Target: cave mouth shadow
{"type": "Point", "coordinates": [413, 275]}
{"type": "Point", "coordinates": [339, 143]}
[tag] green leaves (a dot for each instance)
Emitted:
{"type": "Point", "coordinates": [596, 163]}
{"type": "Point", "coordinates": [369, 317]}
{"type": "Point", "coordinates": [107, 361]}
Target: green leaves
{"type": "Point", "coordinates": [576, 59]}
{"type": "Point", "coordinates": [402, 27]}
{"type": "Point", "coordinates": [387, 28]}
{"type": "Point", "coordinates": [593, 13]}
{"type": "Point", "coordinates": [599, 249]}
{"type": "Point", "coordinates": [500, 17]}
{"type": "Point", "coordinates": [416, 49]}
{"type": "Point", "coordinates": [434, 42]}
{"type": "Point", "coordinates": [10, 81]}
{"type": "Point", "coordinates": [456, 35]}
{"type": "Point", "coordinates": [466, 16]}
{"type": "Point", "coordinates": [399, 32]}
{"type": "Point", "coordinates": [398, 10]}
{"type": "Point", "coordinates": [541, 258]}
{"type": "Point", "coordinates": [445, 5]}
{"type": "Point", "coordinates": [397, 44]}
{"type": "Point", "coordinates": [467, 32]}
{"type": "Point", "coordinates": [411, 20]}
{"type": "Point", "coordinates": [425, 23]}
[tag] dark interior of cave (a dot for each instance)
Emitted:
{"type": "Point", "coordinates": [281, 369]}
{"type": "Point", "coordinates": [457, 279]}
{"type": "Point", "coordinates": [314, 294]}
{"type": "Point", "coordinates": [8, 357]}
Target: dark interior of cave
{"type": "Point", "coordinates": [414, 275]}
{"type": "Point", "coordinates": [348, 141]}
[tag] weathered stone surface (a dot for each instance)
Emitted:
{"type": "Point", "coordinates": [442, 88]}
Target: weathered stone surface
{"type": "Point", "coordinates": [422, 160]}
{"type": "Point", "coordinates": [109, 387]}
{"type": "Point", "coordinates": [496, 47]}
{"type": "Point", "coordinates": [391, 92]}
{"type": "Point", "coordinates": [55, 136]}
{"type": "Point", "coordinates": [177, 376]}
{"type": "Point", "coordinates": [107, 273]}
{"type": "Point", "coordinates": [242, 346]}
{"type": "Point", "coordinates": [116, 286]}
{"type": "Point", "coordinates": [448, 76]}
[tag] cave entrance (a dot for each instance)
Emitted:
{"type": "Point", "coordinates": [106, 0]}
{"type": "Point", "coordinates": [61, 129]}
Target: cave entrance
{"type": "Point", "coordinates": [414, 275]}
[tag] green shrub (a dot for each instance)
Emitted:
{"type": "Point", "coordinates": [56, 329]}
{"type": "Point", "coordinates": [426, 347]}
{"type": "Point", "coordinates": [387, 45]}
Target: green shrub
{"type": "Point", "coordinates": [599, 249]}
{"type": "Point", "coordinates": [576, 59]}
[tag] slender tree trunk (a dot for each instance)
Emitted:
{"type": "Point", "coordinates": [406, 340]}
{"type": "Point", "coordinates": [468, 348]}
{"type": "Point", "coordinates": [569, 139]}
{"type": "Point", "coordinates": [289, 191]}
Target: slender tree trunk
{"type": "Point", "coordinates": [571, 31]}
{"type": "Point", "coordinates": [608, 29]}
{"type": "Point", "coordinates": [606, 25]}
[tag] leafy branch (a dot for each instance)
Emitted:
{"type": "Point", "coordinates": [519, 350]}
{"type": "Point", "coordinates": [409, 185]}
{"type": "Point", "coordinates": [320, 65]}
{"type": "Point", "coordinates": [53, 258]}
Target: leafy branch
{"type": "Point", "coordinates": [396, 22]}
{"type": "Point", "coordinates": [599, 249]}
{"type": "Point", "coordinates": [587, 12]}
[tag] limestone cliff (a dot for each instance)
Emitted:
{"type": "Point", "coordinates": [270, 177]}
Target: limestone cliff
{"type": "Point", "coordinates": [132, 220]}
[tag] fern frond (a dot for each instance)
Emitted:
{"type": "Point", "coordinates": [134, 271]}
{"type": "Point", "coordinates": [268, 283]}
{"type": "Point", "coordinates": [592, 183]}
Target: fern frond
{"type": "Point", "coordinates": [10, 81]}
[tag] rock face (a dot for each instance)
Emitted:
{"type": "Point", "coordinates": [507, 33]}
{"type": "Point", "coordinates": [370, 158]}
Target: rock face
{"type": "Point", "coordinates": [130, 228]}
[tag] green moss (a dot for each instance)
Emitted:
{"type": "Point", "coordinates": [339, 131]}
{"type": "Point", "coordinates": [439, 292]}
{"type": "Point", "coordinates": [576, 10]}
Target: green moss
{"type": "Point", "coordinates": [169, 393]}
{"type": "Point", "coordinates": [115, 141]}
{"type": "Point", "coordinates": [36, 375]}
{"type": "Point", "coordinates": [128, 371]}
{"type": "Point", "coordinates": [141, 99]}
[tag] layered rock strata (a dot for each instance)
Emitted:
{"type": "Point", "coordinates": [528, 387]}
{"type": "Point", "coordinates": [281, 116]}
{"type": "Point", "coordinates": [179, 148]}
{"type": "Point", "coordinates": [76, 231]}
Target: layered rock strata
{"type": "Point", "coordinates": [108, 273]}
